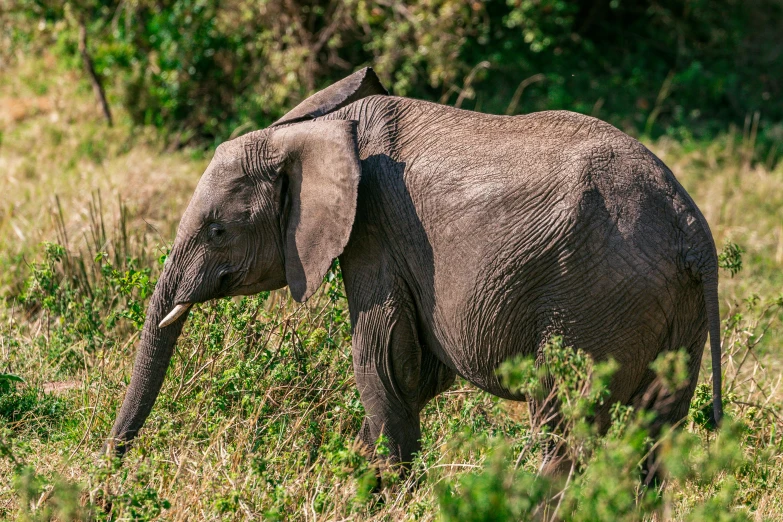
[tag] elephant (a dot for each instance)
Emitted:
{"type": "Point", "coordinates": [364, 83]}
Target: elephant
{"type": "Point", "coordinates": [464, 239]}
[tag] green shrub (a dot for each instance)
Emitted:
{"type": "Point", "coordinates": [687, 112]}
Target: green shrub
{"type": "Point", "coordinates": [499, 492]}
{"type": "Point", "coordinates": [605, 480]}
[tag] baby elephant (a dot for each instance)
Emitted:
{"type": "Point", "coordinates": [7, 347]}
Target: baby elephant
{"type": "Point", "coordinates": [464, 239]}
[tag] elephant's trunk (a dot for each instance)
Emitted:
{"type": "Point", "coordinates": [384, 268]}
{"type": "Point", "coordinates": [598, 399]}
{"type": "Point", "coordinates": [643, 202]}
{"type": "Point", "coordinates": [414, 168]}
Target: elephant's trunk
{"type": "Point", "coordinates": [152, 361]}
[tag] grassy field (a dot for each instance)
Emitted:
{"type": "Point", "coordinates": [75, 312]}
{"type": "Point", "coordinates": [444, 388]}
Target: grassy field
{"type": "Point", "coordinates": [258, 413]}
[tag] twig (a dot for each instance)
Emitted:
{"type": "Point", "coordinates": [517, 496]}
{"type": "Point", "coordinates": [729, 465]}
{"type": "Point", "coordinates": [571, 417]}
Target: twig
{"type": "Point", "coordinates": [97, 86]}
{"type": "Point", "coordinates": [463, 93]}
{"type": "Point", "coordinates": [512, 106]}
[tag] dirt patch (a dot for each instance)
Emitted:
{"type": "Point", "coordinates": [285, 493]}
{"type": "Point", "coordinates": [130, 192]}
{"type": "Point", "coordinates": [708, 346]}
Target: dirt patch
{"type": "Point", "coordinates": [57, 387]}
{"type": "Point", "coordinates": [13, 110]}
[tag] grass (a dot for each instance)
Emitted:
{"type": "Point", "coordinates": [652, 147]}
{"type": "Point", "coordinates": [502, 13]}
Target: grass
{"type": "Point", "coordinates": [258, 413]}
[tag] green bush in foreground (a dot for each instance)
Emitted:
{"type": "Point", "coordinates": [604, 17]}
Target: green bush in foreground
{"type": "Point", "coordinates": [608, 483]}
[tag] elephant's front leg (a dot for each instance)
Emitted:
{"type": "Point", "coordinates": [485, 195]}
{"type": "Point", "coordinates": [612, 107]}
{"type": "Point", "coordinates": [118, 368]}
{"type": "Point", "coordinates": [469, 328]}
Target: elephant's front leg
{"type": "Point", "coordinates": [387, 364]}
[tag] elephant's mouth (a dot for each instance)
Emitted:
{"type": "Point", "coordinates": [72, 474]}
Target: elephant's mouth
{"type": "Point", "coordinates": [228, 278]}
{"type": "Point", "coordinates": [230, 282]}
{"type": "Point", "coordinates": [250, 289]}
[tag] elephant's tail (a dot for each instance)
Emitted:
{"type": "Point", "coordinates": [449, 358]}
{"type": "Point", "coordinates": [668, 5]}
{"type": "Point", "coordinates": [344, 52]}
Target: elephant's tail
{"type": "Point", "coordinates": [702, 258]}
{"type": "Point", "coordinates": [710, 283]}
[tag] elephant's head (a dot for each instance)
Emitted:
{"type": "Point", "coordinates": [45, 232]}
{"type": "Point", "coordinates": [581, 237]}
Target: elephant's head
{"type": "Point", "coordinates": [273, 208]}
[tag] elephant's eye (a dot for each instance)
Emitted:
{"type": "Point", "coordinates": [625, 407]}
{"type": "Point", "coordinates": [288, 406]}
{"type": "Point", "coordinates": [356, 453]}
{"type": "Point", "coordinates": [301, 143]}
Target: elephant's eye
{"type": "Point", "coordinates": [216, 231]}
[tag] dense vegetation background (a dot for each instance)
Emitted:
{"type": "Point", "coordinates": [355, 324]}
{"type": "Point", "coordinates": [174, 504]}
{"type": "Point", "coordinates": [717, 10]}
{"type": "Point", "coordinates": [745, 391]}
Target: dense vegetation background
{"type": "Point", "coordinates": [259, 410]}
{"type": "Point", "coordinates": [200, 69]}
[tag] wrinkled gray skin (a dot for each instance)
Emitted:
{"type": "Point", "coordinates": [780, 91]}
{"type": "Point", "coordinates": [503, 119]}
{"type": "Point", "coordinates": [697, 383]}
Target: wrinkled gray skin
{"type": "Point", "coordinates": [464, 239]}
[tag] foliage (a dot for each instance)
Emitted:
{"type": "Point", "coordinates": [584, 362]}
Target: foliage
{"type": "Point", "coordinates": [284, 386]}
{"type": "Point", "coordinates": [66, 287]}
{"type": "Point", "coordinates": [7, 381]}
{"type": "Point", "coordinates": [499, 492]}
{"type": "Point", "coordinates": [258, 413]}
{"type": "Point", "coordinates": [207, 69]}
{"type": "Point", "coordinates": [609, 485]}
{"type": "Point", "coordinates": [731, 258]}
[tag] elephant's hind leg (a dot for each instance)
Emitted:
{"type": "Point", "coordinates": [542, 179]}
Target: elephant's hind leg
{"type": "Point", "coordinates": [670, 408]}
{"type": "Point", "coordinates": [556, 462]}
{"type": "Point", "coordinates": [545, 412]}
{"type": "Point", "coordinates": [688, 332]}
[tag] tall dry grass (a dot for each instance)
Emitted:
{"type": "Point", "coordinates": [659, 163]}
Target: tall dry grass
{"type": "Point", "coordinates": [259, 409]}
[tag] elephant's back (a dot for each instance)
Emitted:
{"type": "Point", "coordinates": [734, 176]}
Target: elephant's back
{"type": "Point", "coordinates": [551, 125]}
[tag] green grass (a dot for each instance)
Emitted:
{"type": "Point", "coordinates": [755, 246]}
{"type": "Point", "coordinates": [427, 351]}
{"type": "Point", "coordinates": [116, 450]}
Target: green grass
{"type": "Point", "coordinates": [259, 410]}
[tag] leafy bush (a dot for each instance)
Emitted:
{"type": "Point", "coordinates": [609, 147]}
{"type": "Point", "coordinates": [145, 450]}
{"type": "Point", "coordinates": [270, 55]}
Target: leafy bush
{"type": "Point", "coordinates": [39, 412]}
{"type": "Point", "coordinates": [90, 295]}
{"type": "Point", "coordinates": [499, 492]}
{"type": "Point", "coordinates": [607, 485]}
{"type": "Point", "coordinates": [731, 258]}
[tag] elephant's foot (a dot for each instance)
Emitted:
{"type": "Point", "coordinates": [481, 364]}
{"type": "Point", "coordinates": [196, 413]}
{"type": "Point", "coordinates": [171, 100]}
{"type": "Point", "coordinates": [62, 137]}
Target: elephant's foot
{"type": "Point", "coordinates": [557, 467]}
{"type": "Point", "coordinates": [557, 464]}
{"type": "Point", "coordinates": [653, 474]}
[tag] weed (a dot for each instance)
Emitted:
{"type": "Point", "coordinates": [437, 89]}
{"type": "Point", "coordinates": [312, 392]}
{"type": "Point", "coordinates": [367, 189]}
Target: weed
{"type": "Point", "coordinates": [731, 258]}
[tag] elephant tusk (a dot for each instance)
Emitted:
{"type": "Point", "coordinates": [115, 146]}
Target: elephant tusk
{"type": "Point", "coordinates": [175, 313]}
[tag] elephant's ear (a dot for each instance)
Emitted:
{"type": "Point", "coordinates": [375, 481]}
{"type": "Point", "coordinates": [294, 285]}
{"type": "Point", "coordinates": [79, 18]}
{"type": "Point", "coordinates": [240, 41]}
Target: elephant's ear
{"type": "Point", "coordinates": [351, 88]}
{"type": "Point", "coordinates": [322, 164]}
